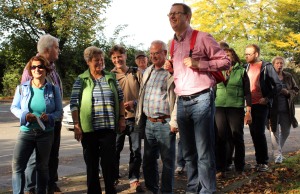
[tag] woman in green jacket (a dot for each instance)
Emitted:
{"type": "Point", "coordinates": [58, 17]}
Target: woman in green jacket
{"type": "Point", "coordinates": [230, 114]}
{"type": "Point", "coordinates": [98, 114]}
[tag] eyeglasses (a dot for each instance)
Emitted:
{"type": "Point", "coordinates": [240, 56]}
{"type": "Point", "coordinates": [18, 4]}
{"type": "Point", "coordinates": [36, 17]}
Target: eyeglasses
{"type": "Point", "coordinates": [248, 54]}
{"type": "Point", "coordinates": [38, 66]}
{"type": "Point", "coordinates": [156, 53]}
{"type": "Point", "coordinates": [175, 13]}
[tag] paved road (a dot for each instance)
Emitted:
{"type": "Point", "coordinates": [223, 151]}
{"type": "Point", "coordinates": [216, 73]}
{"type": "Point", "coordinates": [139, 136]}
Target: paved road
{"type": "Point", "coordinates": [71, 160]}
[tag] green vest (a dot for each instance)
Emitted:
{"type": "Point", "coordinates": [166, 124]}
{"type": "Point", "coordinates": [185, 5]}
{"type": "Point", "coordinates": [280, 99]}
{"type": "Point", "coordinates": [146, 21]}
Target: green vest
{"type": "Point", "coordinates": [232, 95]}
{"type": "Point", "coordinates": [87, 86]}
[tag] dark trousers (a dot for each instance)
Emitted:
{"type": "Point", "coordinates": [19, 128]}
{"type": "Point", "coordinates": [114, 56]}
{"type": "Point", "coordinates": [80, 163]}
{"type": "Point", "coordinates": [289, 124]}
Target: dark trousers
{"type": "Point", "coordinates": [259, 115]}
{"type": "Point", "coordinates": [96, 145]}
{"type": "Point", "coordinates": [230, 130]}
{"type": "Point", "coordinates": [135, 160]}
{"type": "Point", "coordinates": [30, 173]}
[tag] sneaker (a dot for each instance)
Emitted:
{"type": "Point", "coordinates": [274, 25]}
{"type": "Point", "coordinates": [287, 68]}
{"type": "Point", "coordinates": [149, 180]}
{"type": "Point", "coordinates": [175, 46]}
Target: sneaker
{"type": "Point", "coordinates": [116, 182]}
{"type": "Point", "coordinates": [179, 170]}
{"type": "Point", "coordinates": [136, 187]}
{"type": "Point", "coordinates": [278, 159]}
{"type": "Point", "coordinates": [221, 175]}
{"type": "Point", "coordinates": [30, 192]}
{"type": "Point", "coordinates": [262, 168]}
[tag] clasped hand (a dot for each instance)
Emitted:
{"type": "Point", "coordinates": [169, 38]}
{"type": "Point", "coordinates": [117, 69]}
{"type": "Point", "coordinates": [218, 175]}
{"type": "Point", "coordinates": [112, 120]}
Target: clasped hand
{"type": "Point", "coordinates": [32, 118]}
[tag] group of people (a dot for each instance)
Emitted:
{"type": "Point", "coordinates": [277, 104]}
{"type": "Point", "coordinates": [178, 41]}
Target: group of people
{"type": "Point", "coordinates": [153, 103]}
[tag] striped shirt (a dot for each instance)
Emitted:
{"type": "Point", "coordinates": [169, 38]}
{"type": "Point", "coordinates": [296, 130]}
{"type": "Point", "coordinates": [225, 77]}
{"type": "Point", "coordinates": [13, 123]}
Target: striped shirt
{"type": "Point", "coordinates": [156, 99]}
{"type": "Point", "coordinates": [103, 116]}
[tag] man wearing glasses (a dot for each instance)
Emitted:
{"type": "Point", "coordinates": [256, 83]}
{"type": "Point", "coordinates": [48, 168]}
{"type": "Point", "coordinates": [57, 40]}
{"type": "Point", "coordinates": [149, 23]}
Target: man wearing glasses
{"type": "Point", "coordinates": [195, 105]}
{"type": "Point", "coordinates": [156, 104]}
{"type": "Point", "coordinates": [264, 85]}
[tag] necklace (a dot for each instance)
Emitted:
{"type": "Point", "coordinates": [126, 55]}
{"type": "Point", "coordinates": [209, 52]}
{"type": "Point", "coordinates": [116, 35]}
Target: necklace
{"type": "Point", "coordinates": [36, 85]}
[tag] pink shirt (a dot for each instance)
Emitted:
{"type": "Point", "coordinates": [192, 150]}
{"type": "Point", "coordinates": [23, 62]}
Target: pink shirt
{"type": "Point", "coordinates": [210, 56]}
{"type": "Point", "coordinates": [254, 75]}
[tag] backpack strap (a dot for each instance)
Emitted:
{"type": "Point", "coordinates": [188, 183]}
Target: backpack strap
{"type": "Point", "coordinates": [192, 44]}
{"type": "Point", "coordinates": [193, 41]}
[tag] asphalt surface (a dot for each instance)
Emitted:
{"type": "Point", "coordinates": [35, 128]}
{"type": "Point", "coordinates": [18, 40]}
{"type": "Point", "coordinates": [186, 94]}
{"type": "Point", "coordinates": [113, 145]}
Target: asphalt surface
{"type": "Point", "coordinates": [72, 166]}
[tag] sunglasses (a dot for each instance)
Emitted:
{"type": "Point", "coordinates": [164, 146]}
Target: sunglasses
{"type": "Point", "coordinates": [38, 66]}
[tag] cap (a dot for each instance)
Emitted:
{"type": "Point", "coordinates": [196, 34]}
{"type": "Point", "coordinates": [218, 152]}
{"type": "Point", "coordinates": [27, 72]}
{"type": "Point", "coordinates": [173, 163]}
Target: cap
{"type": "Point", "coordinates": [140, 53]}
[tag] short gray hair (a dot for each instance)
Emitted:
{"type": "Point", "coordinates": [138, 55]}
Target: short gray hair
{"type": "Point", "coordinates": [46, 42]}
{"type": "Point", "coordinates": [90, 52]}
{"type": "Point", "coordinates": [280, 58]}
{"type": "Point", "coordinates": [162, 43]}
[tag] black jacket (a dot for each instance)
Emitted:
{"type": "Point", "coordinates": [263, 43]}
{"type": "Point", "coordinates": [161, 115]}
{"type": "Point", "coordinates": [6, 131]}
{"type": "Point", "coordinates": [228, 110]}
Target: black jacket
{"type": "Point", "coordinates": [269, 81]}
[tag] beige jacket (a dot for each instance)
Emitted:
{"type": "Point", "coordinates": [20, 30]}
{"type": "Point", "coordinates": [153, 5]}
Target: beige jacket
{"type": "Point", "coordinates": [140, 117]}
{"type": "Point", "coordinates": [130, 84]}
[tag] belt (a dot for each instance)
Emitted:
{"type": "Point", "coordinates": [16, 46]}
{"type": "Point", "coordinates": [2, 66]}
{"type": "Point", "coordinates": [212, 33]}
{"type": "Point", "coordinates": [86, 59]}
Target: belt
{"type": "Point", "coordinates": [159, 119]}
{"type": "Point", "coordinates": [192, 96]}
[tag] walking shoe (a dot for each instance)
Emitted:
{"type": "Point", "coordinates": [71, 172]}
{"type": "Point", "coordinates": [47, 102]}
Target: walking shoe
{"type": "Point", "coordinates": [116, 182]}
{"type": "Point", "coordinates": [278, 159]}
{"type": "Point", "coordinates": [221, 175]}
{"type": "Point", "coordinates": [136, 187]}
{"type": "Point", "coordinates": [30, 192]}
{"type": "Point", "coordinates": [262, 168]}
{"type": "Point", "coordinates": [179, 170]}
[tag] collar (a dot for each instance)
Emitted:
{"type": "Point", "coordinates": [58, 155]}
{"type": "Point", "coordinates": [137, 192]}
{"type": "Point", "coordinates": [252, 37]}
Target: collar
{"type": "Point", "coordinates": [185, 34]}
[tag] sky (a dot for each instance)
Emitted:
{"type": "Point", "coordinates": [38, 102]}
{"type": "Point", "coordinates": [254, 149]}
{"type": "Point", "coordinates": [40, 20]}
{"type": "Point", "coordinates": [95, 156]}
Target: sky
{"type": "Point", "coordinates": [147, 20]}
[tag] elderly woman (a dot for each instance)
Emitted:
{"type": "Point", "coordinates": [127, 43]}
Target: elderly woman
{"type": "Point", "coordinates": [37, 103]}
{"type": "Point", "coordinates": [98, 114]}
{"type": "Point", "coordinates": [282, 113]}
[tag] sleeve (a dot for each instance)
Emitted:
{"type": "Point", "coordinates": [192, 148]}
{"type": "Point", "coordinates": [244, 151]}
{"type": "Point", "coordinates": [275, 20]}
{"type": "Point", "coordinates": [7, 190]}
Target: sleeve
{"type": "Point", "coordinates": [247, 92]}
{"type": "Point", "coordinates": [25, 76]}
{"type": "Point", "coordinates": [76, 95]}
{"type": "Point", "coordinates": [120, 91]}
{"type": "Point", "coordinates": [217, 59]}
{"type": "Point", "coordinates": [15, 107]}
{"type": "Point", "coordinates": [57, 114]}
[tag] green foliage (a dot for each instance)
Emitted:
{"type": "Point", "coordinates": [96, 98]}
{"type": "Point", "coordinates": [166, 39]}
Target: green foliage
{"type": "Point", "coordinates": [272, 24]}
{"type": "Point", "coordinates": [74, 22]}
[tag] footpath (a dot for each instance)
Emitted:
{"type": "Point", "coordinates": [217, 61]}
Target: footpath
{"type": "Point", "coordinates": [75, 183]}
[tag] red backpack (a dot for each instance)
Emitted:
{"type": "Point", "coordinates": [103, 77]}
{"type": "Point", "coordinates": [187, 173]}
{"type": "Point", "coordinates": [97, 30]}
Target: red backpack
{"type": "Point", "coordinates": [217, 74]}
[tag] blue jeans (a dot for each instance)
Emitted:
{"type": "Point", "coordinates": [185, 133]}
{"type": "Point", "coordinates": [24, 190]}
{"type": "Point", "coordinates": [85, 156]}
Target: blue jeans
{"type": "Point", "coordinates": [180, 159]}
{"type": "Point", "coordinates": [26, 143]}
{"type": "Point", "coordinates": [135, 160]}
{"type": "Point", "coordinates": [159, 140]}
{"type": "Point", "coordinates": [195, 120]}
{"type": "Point", "coordinates": [30, 173]}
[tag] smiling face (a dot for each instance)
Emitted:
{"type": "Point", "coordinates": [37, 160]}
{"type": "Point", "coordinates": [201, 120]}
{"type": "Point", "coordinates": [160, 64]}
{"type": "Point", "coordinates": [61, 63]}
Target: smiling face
{"type": "Point", "coordinates": [157, 55]}
{"type": "Point", "coordinates": [141, 62]}
{"type": "Point", "coordinates": [179, 19]}
{"type": "Point", "coordinates": [38, 70]}
{"type": "Point", "coordinates": [96, 64]}
{"type": "Point", "coordinates": [119, 59]}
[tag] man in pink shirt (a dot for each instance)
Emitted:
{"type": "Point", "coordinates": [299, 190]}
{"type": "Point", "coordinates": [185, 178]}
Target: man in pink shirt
{"type": "Point", "coordinates": [195, 106]}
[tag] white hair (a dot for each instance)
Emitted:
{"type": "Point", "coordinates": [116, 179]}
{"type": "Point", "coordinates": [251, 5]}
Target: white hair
{"type": "Point", "coordinates": [45, 42]}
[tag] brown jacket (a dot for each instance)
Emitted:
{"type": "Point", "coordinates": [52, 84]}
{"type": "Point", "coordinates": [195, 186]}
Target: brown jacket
{"type": "Point", "coordinates": [130, 84]}
{"type": "Point", "coordinates": [293, 91]}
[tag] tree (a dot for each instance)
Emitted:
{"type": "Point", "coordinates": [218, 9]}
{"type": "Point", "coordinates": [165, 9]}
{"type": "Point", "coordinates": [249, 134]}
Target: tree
{"type": "Point", "coordinates": [268, 23]}
{"type": "Point", "coordinates": [75, 23]}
